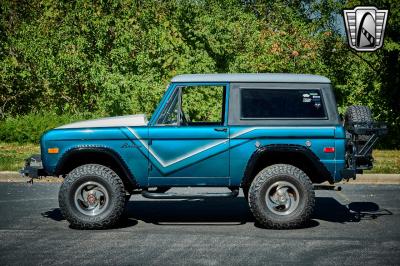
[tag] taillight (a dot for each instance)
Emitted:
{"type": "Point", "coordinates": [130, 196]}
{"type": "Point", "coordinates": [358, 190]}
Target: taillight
{"type": "Point", "coordinates": [329, 149]}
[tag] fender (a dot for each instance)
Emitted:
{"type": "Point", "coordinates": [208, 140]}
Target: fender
{"type": "Point", "coordinates": [318, 172]}
{"type": "Point", "coordinates": [117, 160]}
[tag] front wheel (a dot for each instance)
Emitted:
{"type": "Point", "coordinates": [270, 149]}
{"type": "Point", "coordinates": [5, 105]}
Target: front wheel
{"type": "Point", "coordinates": [92, 196]}
{"type": "Point", "coordinates": [281, 196]}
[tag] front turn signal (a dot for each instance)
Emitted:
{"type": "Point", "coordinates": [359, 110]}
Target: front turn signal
{"type": "Point", "coordinates": [52, 150]}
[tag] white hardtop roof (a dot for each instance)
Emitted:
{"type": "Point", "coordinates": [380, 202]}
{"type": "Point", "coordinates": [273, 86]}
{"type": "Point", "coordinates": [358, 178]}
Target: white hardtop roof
{"type": "Point", "coordinates": [253, 77]}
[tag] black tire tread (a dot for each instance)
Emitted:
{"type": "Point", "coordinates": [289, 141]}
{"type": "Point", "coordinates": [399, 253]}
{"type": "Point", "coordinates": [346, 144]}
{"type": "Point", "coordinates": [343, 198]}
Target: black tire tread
{"type": "Point", "coordinates": [276, 170]}
{"type": "Point", "coordinates": [358, 114]}
{"type": "Point", "coordinates": [93, 222]}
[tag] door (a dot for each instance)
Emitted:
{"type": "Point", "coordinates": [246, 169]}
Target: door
{"type": "Point", "coordinates": [188, 143]}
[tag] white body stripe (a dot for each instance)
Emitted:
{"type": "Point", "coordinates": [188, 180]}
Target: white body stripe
{"type": "Point", "coordinates": [180, 158]}
{"type": "Point", "coordinates": [200, 149]}
{"type": "Point", "coordinates": [192, 153]}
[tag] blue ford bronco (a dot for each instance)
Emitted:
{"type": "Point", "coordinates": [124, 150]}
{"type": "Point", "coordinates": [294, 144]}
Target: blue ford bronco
{"type": "Point", "coordinates": [275, 136]}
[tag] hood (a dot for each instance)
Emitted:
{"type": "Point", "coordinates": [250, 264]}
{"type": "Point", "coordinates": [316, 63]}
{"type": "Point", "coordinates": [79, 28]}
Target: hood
{"type": "Point", "coordinates": [117, 121]}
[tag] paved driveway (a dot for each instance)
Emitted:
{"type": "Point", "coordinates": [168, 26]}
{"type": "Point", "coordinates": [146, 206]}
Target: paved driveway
{"type": "Point", "coordinates": [360, 225]}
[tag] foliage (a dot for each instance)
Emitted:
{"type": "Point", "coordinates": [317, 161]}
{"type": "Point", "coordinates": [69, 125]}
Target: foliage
{"type": "Point", "coordinates": [386, 162]}
{"type": "Point", "coordinates": [203, 103]}
{"type": "Point", "coordinates": [29, 128]}
{"type": "Point", "coordinates": [115, 57]}
{"type": "Point", "coordinates": [13, 155]}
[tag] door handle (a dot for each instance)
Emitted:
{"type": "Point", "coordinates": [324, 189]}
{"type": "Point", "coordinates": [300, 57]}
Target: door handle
{"type": "Point", "coordinates": [223, 129]}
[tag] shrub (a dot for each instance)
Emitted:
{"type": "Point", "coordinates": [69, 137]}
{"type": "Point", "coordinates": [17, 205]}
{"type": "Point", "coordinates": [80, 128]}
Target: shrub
{"type": "Point", "coordinates": [28, 128]}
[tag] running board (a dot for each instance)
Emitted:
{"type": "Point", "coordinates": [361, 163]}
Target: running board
{"type": "Point", "coordinates": [152, 195]}
{"type": "Point", "coordinates": [327, 187]}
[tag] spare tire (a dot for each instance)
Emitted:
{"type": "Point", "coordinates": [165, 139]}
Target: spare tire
{"type": "Point", "coordinates": [357, 114]}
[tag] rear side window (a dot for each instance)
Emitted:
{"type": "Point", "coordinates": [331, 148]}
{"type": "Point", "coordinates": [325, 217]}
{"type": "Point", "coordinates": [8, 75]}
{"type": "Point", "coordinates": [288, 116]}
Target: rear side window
{"type": "Point", "coordinates": [281, 103]}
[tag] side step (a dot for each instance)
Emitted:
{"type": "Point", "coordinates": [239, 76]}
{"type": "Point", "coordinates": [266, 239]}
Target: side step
{"type": "Point", "coordinates": [327, 187]}
{"type": "Point", "coordinates": [153, 195]}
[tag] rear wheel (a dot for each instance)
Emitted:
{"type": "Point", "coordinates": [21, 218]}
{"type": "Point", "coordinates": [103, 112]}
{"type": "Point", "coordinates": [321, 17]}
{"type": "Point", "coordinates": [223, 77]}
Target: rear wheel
{"type": "Point", "coordinates": [281, 196]}
{"type": "Point", "coordinates": [92, 196]}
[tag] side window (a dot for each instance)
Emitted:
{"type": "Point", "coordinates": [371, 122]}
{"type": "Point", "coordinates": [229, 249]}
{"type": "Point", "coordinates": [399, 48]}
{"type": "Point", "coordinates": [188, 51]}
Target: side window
{"type": "Point", "coordinates": [281, 103]}
{"type": "Point", "coordinates": [202, 105]}
{"type": "Point", "coordinates": [195, 106]}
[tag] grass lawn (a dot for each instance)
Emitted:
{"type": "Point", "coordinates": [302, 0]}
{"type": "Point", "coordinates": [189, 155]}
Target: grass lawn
{"type": "Point", "coordinates": [386, 162]}
{"type": "Point", "coordinates": [12, 157]}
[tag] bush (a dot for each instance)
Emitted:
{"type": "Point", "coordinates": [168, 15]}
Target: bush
{"type": "Point", "coordinates": [115, 57]}
{"type": "Point", "coordinates": [28, 128]}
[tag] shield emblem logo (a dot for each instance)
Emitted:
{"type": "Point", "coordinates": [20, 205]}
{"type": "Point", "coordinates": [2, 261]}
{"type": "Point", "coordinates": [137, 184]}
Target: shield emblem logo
{"type": "Point", "coordinates": [365, 27]}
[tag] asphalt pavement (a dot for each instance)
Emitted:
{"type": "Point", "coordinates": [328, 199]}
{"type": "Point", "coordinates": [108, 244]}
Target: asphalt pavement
{"type": "Point", "coordinates": [359, 225]}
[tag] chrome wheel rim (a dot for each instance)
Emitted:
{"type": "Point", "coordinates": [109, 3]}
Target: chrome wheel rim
{"type": "Point", "coordinates": [282, 198]}
{"type": "Point", "coordinates": [91, 198]}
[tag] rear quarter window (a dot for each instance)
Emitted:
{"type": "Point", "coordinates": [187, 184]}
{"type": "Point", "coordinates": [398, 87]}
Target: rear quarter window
{"type": "Point", "coordinates": [282, 104]}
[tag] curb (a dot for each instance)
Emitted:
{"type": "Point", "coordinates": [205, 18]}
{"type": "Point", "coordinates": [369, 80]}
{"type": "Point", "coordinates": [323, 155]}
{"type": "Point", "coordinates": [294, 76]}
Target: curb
{"type": "Point", "coordinates": [393, 179]}
{"type": "Point", "coordinates": [12, 176]}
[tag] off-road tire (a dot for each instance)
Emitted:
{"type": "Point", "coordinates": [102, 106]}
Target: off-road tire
{"type": "Point", "coordinates": [358, 114]}
{"type": "Point", "coordinates": [109, 180]}
{"type": "Point", "coordinates": [266, 178]}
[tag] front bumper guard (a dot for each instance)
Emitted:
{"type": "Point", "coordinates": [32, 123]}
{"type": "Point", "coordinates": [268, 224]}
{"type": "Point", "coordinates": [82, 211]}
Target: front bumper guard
{"type": "Point", "coordinates": [33, 167]}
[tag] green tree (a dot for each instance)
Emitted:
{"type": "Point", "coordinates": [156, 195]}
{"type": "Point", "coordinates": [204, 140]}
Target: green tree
{"type": "Point", "coordinates": [116, 57]}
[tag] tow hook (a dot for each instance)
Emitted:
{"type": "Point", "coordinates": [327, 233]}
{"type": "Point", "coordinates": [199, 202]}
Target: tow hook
{"type": "Point", "coordinates": [327, 187]}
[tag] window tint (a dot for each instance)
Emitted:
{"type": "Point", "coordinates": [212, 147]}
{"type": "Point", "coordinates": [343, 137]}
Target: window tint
{"type": "Point", "coordinates": [281, 103]}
